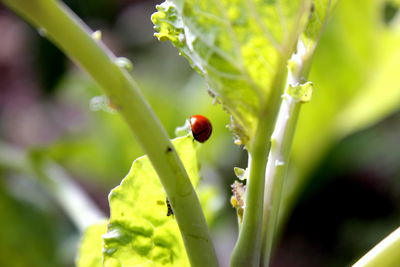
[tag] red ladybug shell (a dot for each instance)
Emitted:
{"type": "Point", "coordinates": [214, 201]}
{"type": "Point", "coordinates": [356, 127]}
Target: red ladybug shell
{"type": "Point", "coordinates": [201, 128]}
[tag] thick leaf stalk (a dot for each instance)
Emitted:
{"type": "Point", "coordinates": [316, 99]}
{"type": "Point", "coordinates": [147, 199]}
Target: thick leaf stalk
{"type": "Point", "coordinates": [297, 91]}
{"type": "Point", "coordinates": [60, 25]}
{"type": "Point", "coordinates": [247, 250]}
{"type": "Point", "coordinates": [281, 141]}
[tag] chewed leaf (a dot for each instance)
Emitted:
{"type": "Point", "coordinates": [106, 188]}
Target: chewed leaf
{"type": "Point", "coordinates": [238, 46]}
{"type": "Point", "coordinates": [90, 251]}
{"type": "Point", "coordinates": [142, 231]}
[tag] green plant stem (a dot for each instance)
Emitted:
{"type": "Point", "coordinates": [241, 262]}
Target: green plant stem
{"type": "Point", "coordinates": [67, 31]}
{"type": "Point", "coordinates": [281, 142]}
{"type": "Point", "coordinates": [385, 254]}
{"type": "Point", "coordinates": [278, 160]}
{"type": "Point", "coordinates": [292, 192]}
{"type": "Point", "coordinates": [248, 253]}
{"type": "Point", "coordinates": [247, 250]}
{"type": "Point", "coordinates": [62, 188]}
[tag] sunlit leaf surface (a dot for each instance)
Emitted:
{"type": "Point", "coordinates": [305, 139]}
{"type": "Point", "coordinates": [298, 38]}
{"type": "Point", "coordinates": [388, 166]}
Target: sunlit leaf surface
{"type": "Point", "coordinates": [141, 230]}
{"type": "Point", "coordinates": [90, 251]}
{"type": "Point", "coordinates": [238, 46]}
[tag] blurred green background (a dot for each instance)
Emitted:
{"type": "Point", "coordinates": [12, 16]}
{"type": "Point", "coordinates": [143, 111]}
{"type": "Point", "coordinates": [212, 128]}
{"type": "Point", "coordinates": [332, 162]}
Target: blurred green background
{"type": "Point", "coordinates": [343, 190]}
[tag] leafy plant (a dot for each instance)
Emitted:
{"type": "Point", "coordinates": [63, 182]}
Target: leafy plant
{"type": "Point", "coordinates": [256, 57]}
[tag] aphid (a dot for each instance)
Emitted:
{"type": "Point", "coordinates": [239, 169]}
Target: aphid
{"type": "Point", "coordinates": [170, 211]}
{"type": "Point", "coordinates": [201, 128]}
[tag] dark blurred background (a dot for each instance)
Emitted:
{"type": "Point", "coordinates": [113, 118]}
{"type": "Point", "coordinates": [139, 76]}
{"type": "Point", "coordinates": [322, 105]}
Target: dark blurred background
{"type": "Point", "coordinates": [349, 199]}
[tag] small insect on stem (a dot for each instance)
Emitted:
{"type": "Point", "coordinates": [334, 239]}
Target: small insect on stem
{"type": "Point", "coordinates": [201, 128]}
{"type": "Point", "coordinates": [170, 211]}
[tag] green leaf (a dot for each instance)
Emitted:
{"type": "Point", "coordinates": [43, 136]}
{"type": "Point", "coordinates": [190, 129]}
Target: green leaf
{"type": "Point", "coordinates": [90, 251]}
{"type": "Point", "coordinates": [240, 173]}
{"type": "Point", "coordinates": [379, 96]}
{"type": "Point", "coordinates": [140, 232]}
{"type": "Point", "coordinates": [240, 47]}
{"type": "Point", "coordinates": [301, 93]}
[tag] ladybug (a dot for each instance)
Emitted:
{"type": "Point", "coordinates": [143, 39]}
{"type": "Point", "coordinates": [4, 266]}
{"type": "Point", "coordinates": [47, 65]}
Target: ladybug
{"type": "Point", "coordinates": [201, 128]}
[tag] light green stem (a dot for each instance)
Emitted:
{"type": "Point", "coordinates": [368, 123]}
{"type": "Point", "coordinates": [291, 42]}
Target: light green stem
{"type": "Point", "coordinates": [385, 254]}
{"type": "Point", "coordinates": [281, 142]}
{"type": "Point", "coordinates": [290, 194]}
{"type": "Point", "coordinates": [278, 161]}
{"type": "Point", "coordinates": [248, 247]}
{"type": "Point", "coordinates": [71, 198]}
{"type": "Point", "coordinates": [247, 251]}
{"type": "Point", "coordinates": [68, 32]}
